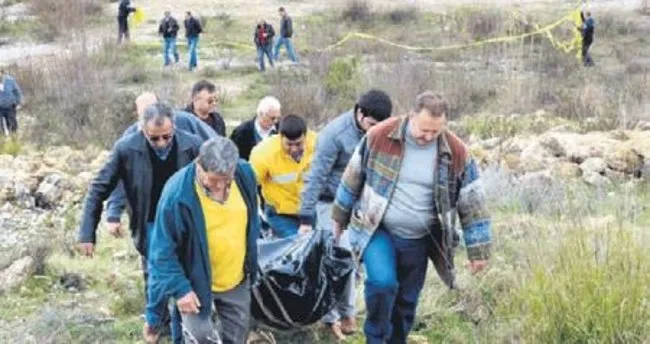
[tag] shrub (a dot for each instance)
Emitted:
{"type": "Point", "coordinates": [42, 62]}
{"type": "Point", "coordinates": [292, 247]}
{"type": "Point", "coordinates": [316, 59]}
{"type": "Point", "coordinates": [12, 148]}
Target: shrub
{"type": "Point", "coordinates": [402, 14]}
{"type": "Point", "coordinates": [59, 16]}
{"type": "Point", "coordinates": [357, 11]}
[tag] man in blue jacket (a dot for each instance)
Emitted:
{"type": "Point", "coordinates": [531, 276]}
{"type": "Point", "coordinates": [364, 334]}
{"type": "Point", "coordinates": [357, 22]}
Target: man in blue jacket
{"type": "Point", "coordinates": [204, 248]}
{"type": "Point", "coordinates": [11, 98]}
{"type": "Point", "coordinates": [334, 147]}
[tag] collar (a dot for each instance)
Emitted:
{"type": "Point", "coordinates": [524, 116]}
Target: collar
{"type": "Point", "coordinates": [398, 133]}
{"type": "Point", "coordinates": [261, 132]}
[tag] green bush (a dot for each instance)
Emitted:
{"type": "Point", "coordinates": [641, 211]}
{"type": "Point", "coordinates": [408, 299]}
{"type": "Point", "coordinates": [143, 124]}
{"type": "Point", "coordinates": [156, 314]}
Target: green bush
{"type": "Point", "coordinates": [342, 76]}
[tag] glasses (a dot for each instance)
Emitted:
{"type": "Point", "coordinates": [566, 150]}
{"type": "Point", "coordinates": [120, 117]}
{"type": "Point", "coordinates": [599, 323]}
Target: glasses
{"type": "Point", "coordinates": [156, 138]}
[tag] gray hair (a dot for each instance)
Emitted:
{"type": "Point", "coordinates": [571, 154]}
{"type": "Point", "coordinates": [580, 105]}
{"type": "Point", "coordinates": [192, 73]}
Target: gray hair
{"type": "Point", "coordinates": [218, 155]}
{"type": "Point", "coordinates": [267, 104]}
{"type": "Point", "coordinates": [157, 113]}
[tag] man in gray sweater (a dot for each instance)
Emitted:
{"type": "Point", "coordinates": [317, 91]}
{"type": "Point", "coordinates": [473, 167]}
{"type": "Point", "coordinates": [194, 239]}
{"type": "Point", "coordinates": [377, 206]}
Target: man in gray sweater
{"type": "Point", "coordinates": [11, 98]}
{"type": "Point", "coordinates": [334, 147]}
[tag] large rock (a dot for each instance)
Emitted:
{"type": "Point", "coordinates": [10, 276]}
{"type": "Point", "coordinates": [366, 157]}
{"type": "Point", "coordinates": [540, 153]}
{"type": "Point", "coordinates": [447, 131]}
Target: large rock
{"type": "Point", "coordinates": [594, 165]}
{"type": "Point", "coordinates": [566, 170]}
{"type": "Point", "coordinates": [626, 160]}
{"type": "Point", "coordinates": [17, 273]}
{"type": "Point", "coordinates": [595, 179]}
{"type": "Point", "coordinates": [553, 146]}
{"type": "Point", "coordinates": [50, 192]}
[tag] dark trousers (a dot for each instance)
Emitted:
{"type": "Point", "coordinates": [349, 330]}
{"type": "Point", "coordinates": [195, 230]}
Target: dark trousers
{"type": "Point", "coordinates": [264, 50]}
{"type": "Point", "coordinates": [8, 120]}
{"type": "Point", "coordinates": [586, 57]}
{"type": "Point", "coordinates": [122, 29]}
{"type": "Point", "coordinates": [395, 273]}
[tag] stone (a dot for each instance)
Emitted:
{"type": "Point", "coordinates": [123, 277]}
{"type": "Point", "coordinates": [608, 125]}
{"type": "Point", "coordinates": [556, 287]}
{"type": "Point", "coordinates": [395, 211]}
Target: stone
{"type": "Point", "coordinates": [553, 145]}
{"type": "Point", "coordinates": [619, 135]}
{"type": "Point", "coordinates": [566, 170]}
{"type": "Point", "coordinates": [17, 273]}
{"type": "Point", "coordinates": [594, 165]}
{"type": "Point", "coordinates": [642, 126]}
{"type": "Point", "coordinates": [512, 161]}
{"type": "Point", "coordinates": [626, 160]}
{"type": "Point", "coordinates": [491, 143]}
{"type": "Point", "coordinates": [595, 179]}
{"type": "Point", "coordinates": [50, 191]}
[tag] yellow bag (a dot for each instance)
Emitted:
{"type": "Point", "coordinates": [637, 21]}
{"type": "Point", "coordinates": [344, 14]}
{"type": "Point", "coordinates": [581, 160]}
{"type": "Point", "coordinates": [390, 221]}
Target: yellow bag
{"type": "Point", "coordinates": [138, 16]}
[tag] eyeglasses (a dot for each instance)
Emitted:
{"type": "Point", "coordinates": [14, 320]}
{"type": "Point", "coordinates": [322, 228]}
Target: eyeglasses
{"type": "Point", "coordinates": [156, 138]}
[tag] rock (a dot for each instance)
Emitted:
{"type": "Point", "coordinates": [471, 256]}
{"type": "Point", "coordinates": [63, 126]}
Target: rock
{"type": "Point", "coordinates": [50, 191]}
{"type": "Point", "coordinates": [595, 179]}
{"type": "Point", "coordinates": [534, 158]}
{"type": "Point", "coordinates": [491, 143]}
{"type": "Point", "coordinates": [616, 176]}
{"type": "Point", "coordinates": [594, 165]}
{"type": "Point", "coordinates": [17, 273]}
{"type": "Point", "coordinates": [619, 135]}
{"type": "Point", "coordinates": [512, 161]}
{"type": "Point", "coordinates": [642, 126]}
{"type": "Point", "coordinates": [566, 170]}
{"type": "Point", "coordinates": [625, 160]}
{"type": "Point", "coordinates": [553, 145]}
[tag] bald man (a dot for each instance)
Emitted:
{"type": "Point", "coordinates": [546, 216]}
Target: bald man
{"type": "Point", "coordinates": [183, 121]}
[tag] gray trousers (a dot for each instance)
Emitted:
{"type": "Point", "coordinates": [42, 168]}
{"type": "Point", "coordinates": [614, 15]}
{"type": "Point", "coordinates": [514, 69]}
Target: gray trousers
{"type": "Point", "coordinates": [345, 306]}
{"type": "Point", "coordinates": [232, 308]}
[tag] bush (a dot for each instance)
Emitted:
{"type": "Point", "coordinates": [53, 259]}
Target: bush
{"type": "Point", "coordinates": [357, 11]}
{"type": "Point", "coordinates": [402, 14]}
{"type": "Point", "coordinates": [61, 16]}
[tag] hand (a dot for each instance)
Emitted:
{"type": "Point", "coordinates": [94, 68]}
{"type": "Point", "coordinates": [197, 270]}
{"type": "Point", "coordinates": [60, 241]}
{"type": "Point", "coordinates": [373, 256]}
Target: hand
{"type": "Point", "coordinates": [476, 266]}
{"type": "Point", "coordinates": [304, 229]}
{"type": "Point", "coordinates": [149, 335]}
{"type": "Point", "coordinates": [87, 249]}
{"type": "Point", "coordinates": [18, 107]}
{"type": "Point", "coordinates": [115, 228]}
{"type": "Point", "coordinates": [189, 304]}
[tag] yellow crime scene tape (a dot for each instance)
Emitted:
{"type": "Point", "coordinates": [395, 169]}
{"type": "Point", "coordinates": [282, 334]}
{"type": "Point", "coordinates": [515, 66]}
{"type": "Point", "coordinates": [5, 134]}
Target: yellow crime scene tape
{"type": "Point", "coordinates": [566, 46]}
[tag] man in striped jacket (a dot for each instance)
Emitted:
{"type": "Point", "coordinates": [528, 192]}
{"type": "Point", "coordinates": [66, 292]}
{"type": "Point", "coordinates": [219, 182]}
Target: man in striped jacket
{"type": "Point", "coordinates": [399, 196]}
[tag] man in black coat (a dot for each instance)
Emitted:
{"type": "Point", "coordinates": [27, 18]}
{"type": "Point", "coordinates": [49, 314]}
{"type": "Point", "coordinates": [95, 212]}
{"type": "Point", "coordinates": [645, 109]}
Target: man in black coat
{"type": "Point", "coordinates": [123, 11]}
{"type": "Point", "coordinates": [193, 29]}
{"type": "Point", "coordinates": [204, 106]}
{"type": "Point", "coordinates": [248, 134]}
{"type": "Point", "coordinates": [263, 38]}
{"type": "Point", "coordinates": [168, 29]}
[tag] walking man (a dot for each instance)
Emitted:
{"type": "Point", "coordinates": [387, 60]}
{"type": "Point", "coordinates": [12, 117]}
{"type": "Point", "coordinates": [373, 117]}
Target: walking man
{"type": "Point", "coordinates": [588, 27]}
{"type": "Point", "coordinates": [11, 98]}
{"type": "Point", "coordinates": [204, 247]}
{"type": "Point", "coordinates": [398, 199]}
{"type": "Point", "coordinates": [280, 163]}
{"type": "Point", "coordinates": [123, 11]}
{"type": "Point", "coordinates": [143, 161]}
{"type": "Point", "coordinates": [286, 32]}
{"type": "Point", "coordinates": [334, 147]}
{"type": "Point", "coordinates": [204, 106]}
{"type": "Point", "coordinates": [263, 38]}
{"type": "Point", "coordinates": [248, 134]}
{"type": "Point", "coordinates": [192, 31]}
{"type": "Point", "coordinates": [168, 29]}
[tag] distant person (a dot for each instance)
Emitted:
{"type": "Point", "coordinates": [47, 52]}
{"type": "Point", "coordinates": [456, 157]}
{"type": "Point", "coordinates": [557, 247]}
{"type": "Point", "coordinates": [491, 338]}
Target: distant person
{"type": "Point", "coordinates": [168, 29]}
{"type": "Point", "coordinates": [263, 38]}
{"type": "Point", "coordinates": [286, 32]}
{"type": "Point", "coordinates": [248, 134]}
{"type": "Point", "coordinates": [204, 106]}
{"type": "Point", "coordinates": [123, 11]}
{"type": "Point", "coordinates": [588, 26]}
{"type": "Point", "coordinates": [193, 29]}
{"type": "Point", "coordinates": [204, 248]}
{"type": "Point", "coordinates": [11, 98]}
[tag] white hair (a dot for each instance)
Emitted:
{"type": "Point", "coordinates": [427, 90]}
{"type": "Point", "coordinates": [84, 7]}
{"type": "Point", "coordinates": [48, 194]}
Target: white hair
{"type": "Point", "coordinates": [267, 104]}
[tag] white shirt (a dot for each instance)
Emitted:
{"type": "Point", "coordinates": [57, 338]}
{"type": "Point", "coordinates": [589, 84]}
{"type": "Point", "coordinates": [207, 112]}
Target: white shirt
{"type": "Point", "coordinates": [261, 132]}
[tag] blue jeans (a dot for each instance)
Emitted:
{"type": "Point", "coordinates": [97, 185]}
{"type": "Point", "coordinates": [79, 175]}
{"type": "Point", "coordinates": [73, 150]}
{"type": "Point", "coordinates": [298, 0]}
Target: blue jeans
{"type": "Point", "coordinates": [395, 273]}
{"type": "Point", "coordinates": [192, 42]}
{"type": "Point", "coordinates": [283, 226]}
{"type": "Point", "coordinates": [170, 49]}
{"type": "Point", "coordinates": [288, 45]}
{"type": "Point", "coordinates": [264, 50]}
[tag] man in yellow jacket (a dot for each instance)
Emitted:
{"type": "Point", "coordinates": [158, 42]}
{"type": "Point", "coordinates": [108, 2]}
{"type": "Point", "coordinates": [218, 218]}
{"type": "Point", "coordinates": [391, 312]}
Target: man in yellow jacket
{"type": "Point", "coordinates": [281, 163]}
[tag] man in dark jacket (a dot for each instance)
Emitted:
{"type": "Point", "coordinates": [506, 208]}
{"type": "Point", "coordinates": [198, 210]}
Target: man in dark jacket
{"type": "Point", "coordinates": [168, 29]}
{"type": "Point", "coordinates": [204, 106]}
{"type": "Point", "coordinates": [123, 11]}
{"type": "Point", "coordinates": [588, 26]}
{"type": "Point", "coordinates": [263, 38]}
{"type": "Point", "coordinates": [193, 29]}
{"type": "Point", "coordinates": [11, 98]}
{"type": "Point", "coordinates": [286, 32]}
{"type": "Point", "coordinates": [143, 161]}
{"type": "Point", "coordinates": [248, 134]}
{"type": "Point", "coordinates": [204, 247]}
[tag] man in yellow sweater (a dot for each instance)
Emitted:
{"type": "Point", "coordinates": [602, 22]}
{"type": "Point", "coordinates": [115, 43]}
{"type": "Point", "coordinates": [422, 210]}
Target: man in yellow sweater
{"type": "Point", "coordinates": [281, 163]}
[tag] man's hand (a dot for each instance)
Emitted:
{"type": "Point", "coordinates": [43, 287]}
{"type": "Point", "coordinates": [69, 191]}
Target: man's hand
{"type": "Point", "coordinates": [476, 266]}
{"type": "Point", "coordinates": [115, 228]}
{"type": "Point", "coordinates": [86, 248]}
{"type": "Point", "coordinates": [149, 335]}
{"type": "Point", "coordinates": [304, 229]}
{"type": "Point", "coordinates": [189, 304]}
{"type": "Point", "coordinates": [18, 106]}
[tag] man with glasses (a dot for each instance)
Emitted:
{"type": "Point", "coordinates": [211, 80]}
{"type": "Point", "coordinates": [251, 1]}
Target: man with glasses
{"type": "Point", "coordinates": [248, 134]}
{"type": "Point", "coordinates": [143, 161]}
{"type": "Point", "coordinates": [334, 147]}
{"type": "Point", "coordinates": [204, 248]}
{"type": "Point", "coordinates": [204, 106]}
{"type": "Point", "coordinates": [280, 165]}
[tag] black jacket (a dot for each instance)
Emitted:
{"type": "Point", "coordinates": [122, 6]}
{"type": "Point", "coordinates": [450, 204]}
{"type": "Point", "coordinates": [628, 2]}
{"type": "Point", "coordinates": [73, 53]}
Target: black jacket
{"type": "Point", "coordinates": [217, 122]}
{"type": "Point", "coordinates": [124, 8]}
{"type": "Point", "coordinates": [192, 27]}
{"type": "Point", "coordinates": [168, 28]}
{"type": "Point", "coordinates": [286, 27]}
{"type": "Point", "coordinates": [270, 33]}
{"type": "Point", "coordinates": [130, 162]}
{"type": "Point", "coordinates": [245, 137]}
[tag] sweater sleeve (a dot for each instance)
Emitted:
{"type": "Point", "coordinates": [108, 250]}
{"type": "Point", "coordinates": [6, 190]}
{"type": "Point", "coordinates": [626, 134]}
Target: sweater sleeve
{"type": "Point", "coordinates": [473, 213]}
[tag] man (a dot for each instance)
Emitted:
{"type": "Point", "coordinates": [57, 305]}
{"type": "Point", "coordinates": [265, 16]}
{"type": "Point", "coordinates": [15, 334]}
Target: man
{"type": "Point", "coordinates": [143, 161]}
{"type": "Point", "coordinates": [204, 106]}
{"type": "Point", "coordinates": [204, 247]}
{"type": "Point", "coordinates": [168, 29]}
{"type": "Point", "coordinates": [280, 163]}
{"type": "Point", "coordinates": [398, 198]}
{"type": "Point", "coordinates": [123, 11]}
{"type": "Point", "coordinates": [192, 31]}
{"type": "Point", "coordinates": [334, 147]}
{"type": "Point", "coordinates": [286, 32]}
{"type": "Point", "coordinates": [183, 121]}
{"type": "Point", "coordinates": [11, 99]}
{"type": "Point", "coordinates": [588, 27]}
{"type": "Point", "coordinates": [263, 38]}
{"type": "Point", "coordinates": [248, 134]}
